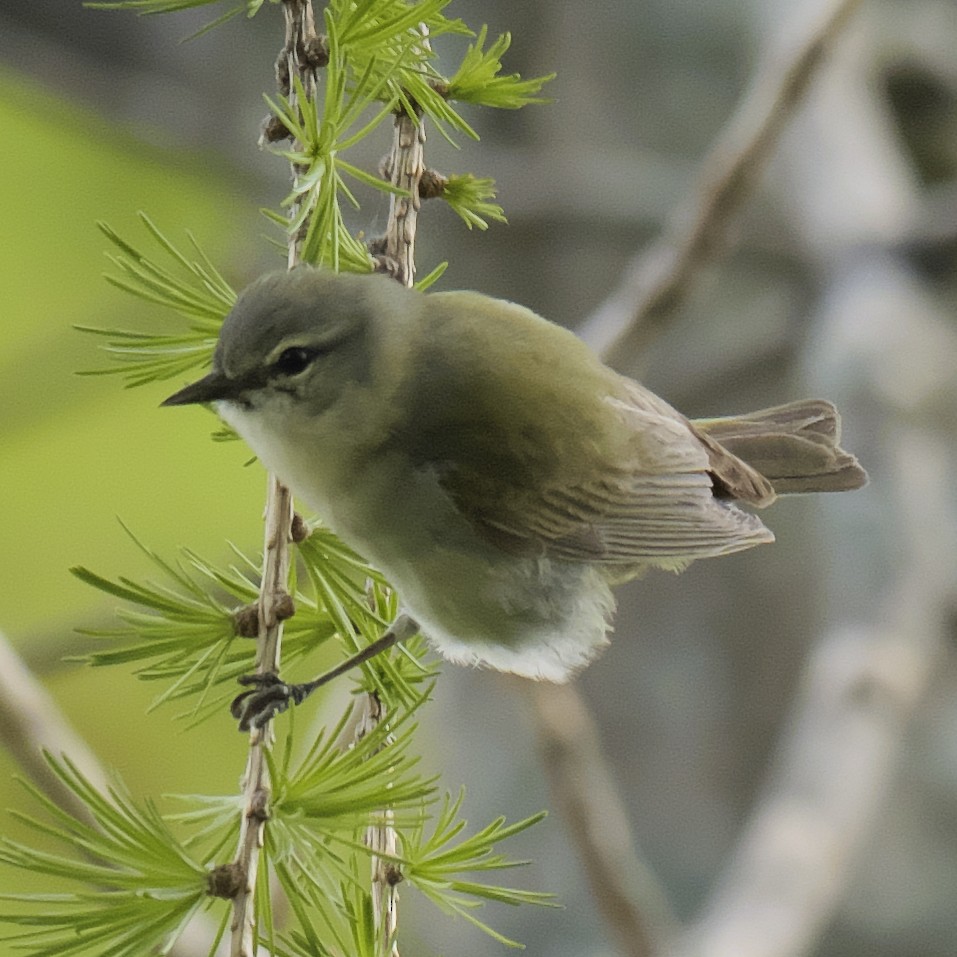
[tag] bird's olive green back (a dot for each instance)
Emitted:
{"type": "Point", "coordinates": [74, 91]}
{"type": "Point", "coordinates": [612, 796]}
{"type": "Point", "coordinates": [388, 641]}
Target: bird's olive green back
{"type": "Point", "coordinates": [547, 450]}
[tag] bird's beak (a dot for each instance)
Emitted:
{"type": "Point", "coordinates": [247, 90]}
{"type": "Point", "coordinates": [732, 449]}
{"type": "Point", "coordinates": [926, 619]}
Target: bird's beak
{"type": "Point", "coordinates": [208, 389]}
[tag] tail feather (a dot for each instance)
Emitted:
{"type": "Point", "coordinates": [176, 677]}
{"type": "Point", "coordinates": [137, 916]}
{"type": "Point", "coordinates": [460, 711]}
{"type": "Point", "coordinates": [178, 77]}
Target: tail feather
{"type": "Point", "coordinates": [795, 446]}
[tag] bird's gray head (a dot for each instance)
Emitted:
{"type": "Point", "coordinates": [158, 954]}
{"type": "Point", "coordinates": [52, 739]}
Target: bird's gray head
{"type": "Point", "coordinates": [296, 337]}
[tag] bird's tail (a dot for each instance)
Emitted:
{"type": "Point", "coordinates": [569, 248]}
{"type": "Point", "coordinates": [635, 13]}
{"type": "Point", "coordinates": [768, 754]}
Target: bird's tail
{"type": "Point", "coordinates": [795, 446]}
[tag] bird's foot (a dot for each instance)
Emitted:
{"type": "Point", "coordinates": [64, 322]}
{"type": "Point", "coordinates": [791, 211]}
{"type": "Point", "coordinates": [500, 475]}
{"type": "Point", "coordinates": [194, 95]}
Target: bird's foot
{"type": "Point", "coordinates": [268, 696]}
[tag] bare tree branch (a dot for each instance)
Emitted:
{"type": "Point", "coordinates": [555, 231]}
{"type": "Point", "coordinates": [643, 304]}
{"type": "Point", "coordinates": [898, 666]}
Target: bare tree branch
{"type": "Point", "coordinates": [31, 722]}
{"type": "Point", "coordinates": [405, 165]}
{"type": "Point", "coordinates": [627, 894]}
{"type": "Point", "coordinates": [660, 276]}
{"type": "Point", "coordinates": [274, 600]}
{"type": "Point", "coordinates": [255, 784]}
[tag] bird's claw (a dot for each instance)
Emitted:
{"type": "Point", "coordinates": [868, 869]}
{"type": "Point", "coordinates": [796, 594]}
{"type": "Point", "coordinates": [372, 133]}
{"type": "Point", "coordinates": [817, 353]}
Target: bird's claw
{"type": "Point", "coordinates": [268, 696]}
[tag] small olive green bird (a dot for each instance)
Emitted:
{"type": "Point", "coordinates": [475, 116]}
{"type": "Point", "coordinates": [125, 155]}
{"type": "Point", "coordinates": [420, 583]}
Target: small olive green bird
{"type": "Point", "coordinates": [497, 473]}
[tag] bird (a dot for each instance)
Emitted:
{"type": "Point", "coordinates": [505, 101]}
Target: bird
{"type": "Point", "coordinates": [486, 461]}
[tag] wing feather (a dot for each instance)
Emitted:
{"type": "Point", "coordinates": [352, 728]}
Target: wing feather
{"type": "Point", "coordinates": [649, 520]}
{"type": "Point", "coordinates": [569, 460]}
{"type": "Point", "coordinates": [655, 506]}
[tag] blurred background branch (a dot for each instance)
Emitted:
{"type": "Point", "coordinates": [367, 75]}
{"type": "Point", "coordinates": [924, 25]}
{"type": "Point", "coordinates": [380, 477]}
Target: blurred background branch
{"type": "Point", "coordinates": [656, 282]}
{"type": "Point", "coordinates": [634, 905]}
{"type": "Point", "coordinates": [31, 723]}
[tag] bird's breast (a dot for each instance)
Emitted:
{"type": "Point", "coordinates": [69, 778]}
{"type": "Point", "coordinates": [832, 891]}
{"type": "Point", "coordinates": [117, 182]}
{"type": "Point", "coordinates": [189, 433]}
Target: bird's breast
{"type": "Point", "coordinates": [476, 603]}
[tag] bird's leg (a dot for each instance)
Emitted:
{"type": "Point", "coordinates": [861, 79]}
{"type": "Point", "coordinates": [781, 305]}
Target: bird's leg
{"type": "Point", "coordinates": [269, 695]}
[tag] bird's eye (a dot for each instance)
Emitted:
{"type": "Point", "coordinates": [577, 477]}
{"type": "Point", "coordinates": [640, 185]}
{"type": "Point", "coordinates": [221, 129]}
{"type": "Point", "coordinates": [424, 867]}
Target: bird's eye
{"type": "Point", "coordinates": [294, 360]}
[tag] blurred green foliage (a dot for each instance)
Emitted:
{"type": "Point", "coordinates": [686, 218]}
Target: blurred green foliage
{"type": "Point", "coordinates": [77, 453]}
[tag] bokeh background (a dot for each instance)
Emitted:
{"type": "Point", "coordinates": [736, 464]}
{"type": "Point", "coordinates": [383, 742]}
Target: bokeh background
{"type": "Point", "coordinates": [797, 697]}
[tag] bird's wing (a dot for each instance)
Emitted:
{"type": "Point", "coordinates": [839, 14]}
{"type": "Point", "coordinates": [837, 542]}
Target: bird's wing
{"type": "Point", "coordinates": [654, 505]}
{"type": "Point", "coordinates": [548, 452]}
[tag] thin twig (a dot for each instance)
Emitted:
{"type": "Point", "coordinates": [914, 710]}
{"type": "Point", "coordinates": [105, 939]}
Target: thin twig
{"type": "Point", "coordinates": [405, 163]}
{"type": "Point", "coordinates": [659, 277]}
{"type": "Point", "coordinates": [300, 31]}
{"type": "Point", "coordinates": [256, 789]}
